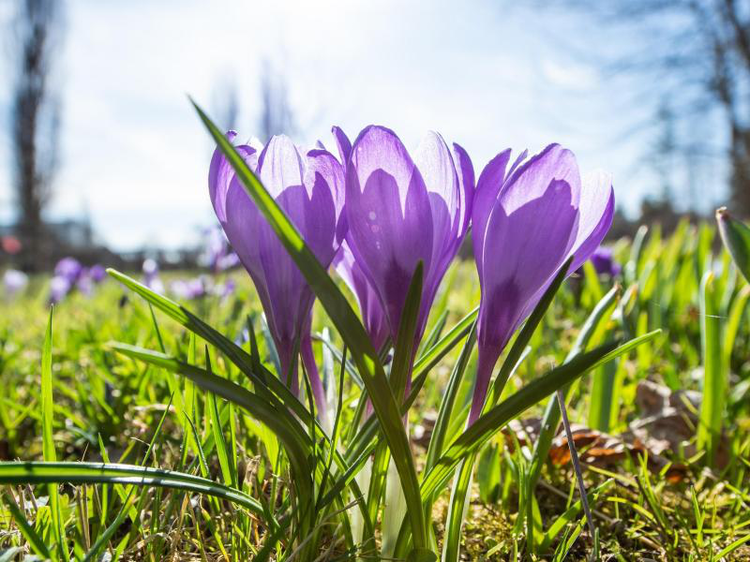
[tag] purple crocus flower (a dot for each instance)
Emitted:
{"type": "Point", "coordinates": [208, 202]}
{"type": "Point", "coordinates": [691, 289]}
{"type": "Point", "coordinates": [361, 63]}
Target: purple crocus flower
{"type": "Point", "coordinates": [59, 287]}
{"type": "Point", "coordinates": [227, 261]}
{"type": "Point", "coordinates": [85, 283]}
{"type": "Point", "coordinates": [97, 273]}
{"type": "Point", "coordinates": [189, 289]}
{"type": "Point", "coordinates": [67, 273]}
{"type": "Point", "coordinates": [309, 187]}
{"type": "Point", "coordinates": [218, 255]}
{"type": "Point", "coordinates": [373, 315]}
{"type": "Point", "coordinates": [14, 281]}
{"type": "Point", "coordinates": [401, 211]}
{"type": "Point", "coordinates": [604, 262]}
{"type": "Point", "coordinates": [526, 224]}
{"type": "Point", "coordinates": [223, 290]}
{"type": "Point", "coordinates": [69, 268]}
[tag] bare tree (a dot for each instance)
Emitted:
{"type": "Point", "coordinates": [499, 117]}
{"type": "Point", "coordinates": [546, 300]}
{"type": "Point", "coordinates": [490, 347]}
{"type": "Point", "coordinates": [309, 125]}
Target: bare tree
{"type": "Point", "coordinates": [276, 113]}
{"type": "Point", "coordinates": [35, 120]}
{"type": "Point", "coordinates": [696, 55]}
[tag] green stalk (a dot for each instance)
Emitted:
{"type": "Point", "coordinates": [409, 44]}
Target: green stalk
{"type": "Point", "coordinates": [714, 375]}
{"type": "Point", "coordinates": [48, 443]}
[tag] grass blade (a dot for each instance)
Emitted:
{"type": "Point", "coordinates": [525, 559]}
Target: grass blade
{"type": "Point", "coordinates": [494, 420]}
{"type": "Point", "coordinates": [714, 377]}
{"type": "Point", "coordinates": [591, 331]}
{"type": "Point", "coordinates": [114, 473]}
{"type": "Point", "coordinates": [48, 443]}
{"type": "Point", "coordinates": [27, 531]}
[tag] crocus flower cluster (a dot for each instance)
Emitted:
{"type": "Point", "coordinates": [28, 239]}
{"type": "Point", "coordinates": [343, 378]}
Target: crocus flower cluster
{"type": "Point", "coordinates": [377, 211]}
{"type": "Point", "coordinates": [70, 274]}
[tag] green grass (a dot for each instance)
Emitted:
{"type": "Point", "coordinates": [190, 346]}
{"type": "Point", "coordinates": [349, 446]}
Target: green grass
{"type": "Point", "coordinates": [207, 481]}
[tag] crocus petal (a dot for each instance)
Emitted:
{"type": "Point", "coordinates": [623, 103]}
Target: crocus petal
{"type": "Point", "coordinates": [532, 178]}
{"type": "Point", "coordinates": [435, 163]}
{"type": "Point", "coordinates": [389, 214]}
{"type": "Point", "coordinates": [220, 174]}
{"type": "Point", "coordinates": [69, 268]}
{"type": "Point", "coordinates": [280, 165]}
{"type": "Point", "coordinates": [465, 170]}
{"type": "Point", "coordinates": [242, 227]}
{"type": "Point", "coordinates": [524, 247]}
{"type": "Point", "coordinates": [597, 210]}
{"type": "Point", "coordinates": [519, 160]}
{"type": "Point", "coordinates": [325, 172]}
{"type": "Point", "coordinates": [488, 187]}
{"type": "Point", "coordinates": [604, 262]}
{"type": "Point", "coordinates": [343, 143]}
{"type": "Point", "coordinates": [14, 281]}
{"type": "Point", "coordinates": [310, 191]}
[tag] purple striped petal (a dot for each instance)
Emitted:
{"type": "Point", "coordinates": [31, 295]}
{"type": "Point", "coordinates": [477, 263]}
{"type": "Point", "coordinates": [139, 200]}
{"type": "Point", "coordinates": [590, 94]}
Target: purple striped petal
{"type": "Point", "coordinates": [343, 144]}
{"type": "Point", "coordinates": [597, 210]}
{"type": "Point", "coordinates": [389, 214]}
{"type": "Point", "coordinates": [488, 187]}
{"type": "Point", "coordinates": [310, 191]}
{"type": "Point", "coordinates": [220, 175]}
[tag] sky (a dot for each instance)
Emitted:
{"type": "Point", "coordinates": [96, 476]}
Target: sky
{"type": "Point", "coordinates": [483, 73]}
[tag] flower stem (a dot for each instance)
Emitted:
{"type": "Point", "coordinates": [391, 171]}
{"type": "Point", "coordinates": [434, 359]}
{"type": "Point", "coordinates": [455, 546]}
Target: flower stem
{"type": "Point", "coordinates": [485, 363]}
{"type": "Point", "coordinates": [576, 464]}
{"type": "Point", "coordinates": [308, 359]}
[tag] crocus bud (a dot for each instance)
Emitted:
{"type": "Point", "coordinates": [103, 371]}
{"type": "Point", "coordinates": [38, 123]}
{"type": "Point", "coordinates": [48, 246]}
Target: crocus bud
{"type": "Point", "coordinates": [402, 211]}
{"type": "Point", "coordinates": [736, 237]}
{"type": "Point", "coordinates": [527, 224]}
{"type": "Point", "coordinates": [309, 187]}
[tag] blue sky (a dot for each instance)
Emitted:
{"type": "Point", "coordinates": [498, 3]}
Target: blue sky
{"type": "Point", "coordinates": [482, 73]}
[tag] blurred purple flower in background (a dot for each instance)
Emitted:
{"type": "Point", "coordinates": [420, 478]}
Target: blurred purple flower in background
{"type": "Point", "coordinates": [199, 287]}
{"type": "Point", "coordinates": [401, 211]}
{"type": "Point", "coordinates": [604, 262]}
{"type": "Point", "coordinates": [85, 284]}
{"type": "Point", "coordinates": [218, 255]}
{"type": "Point", "coordinates": [188, 289]}
{"type": "Point", "coordinates": [68, 268]}
{"type": "Point", "coordinates": [151, 276]}
{"type": "Point", "coordinates": [223, 290]}
{"type": "Point", "coordinates": [59, 287]}
{"type": "Point", "coordinates": [14, 282]}
{"type": "Point", "coordinates": [98, 273]}
{"type": "Point", "coordinates": [310, 189]}
{"type": "Point", "coordinates": [526, 224]}
{"type": "Point", "coordinates": [69, 274]}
